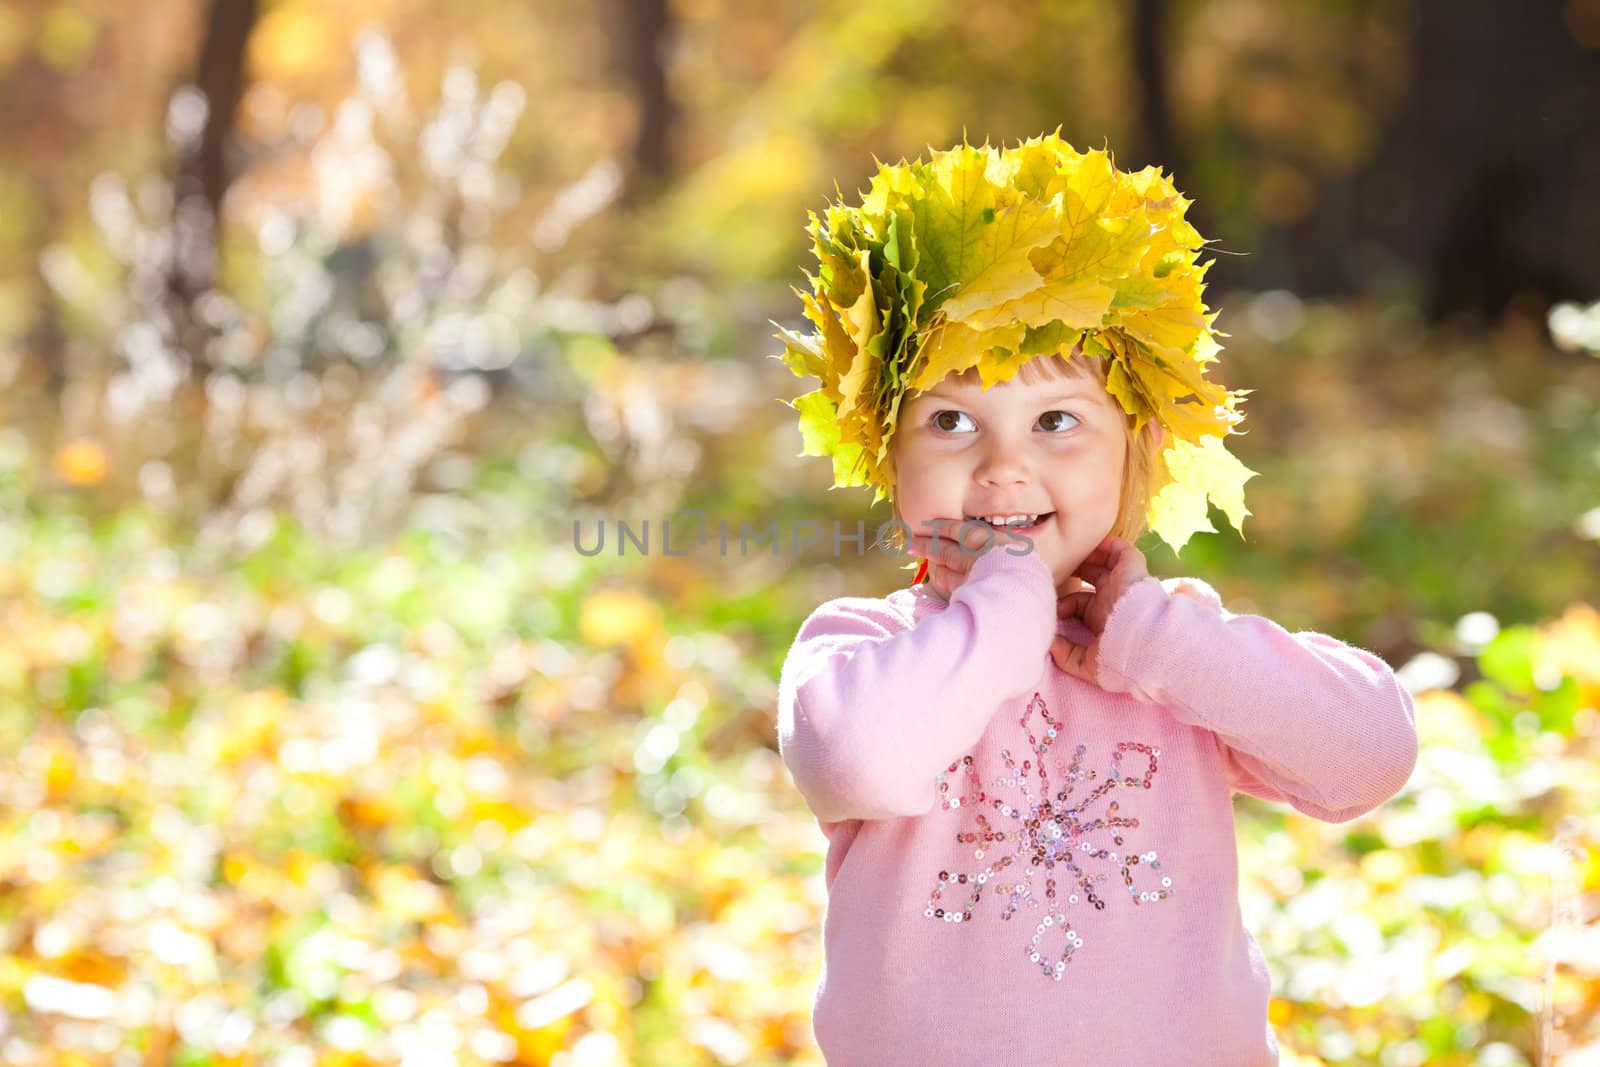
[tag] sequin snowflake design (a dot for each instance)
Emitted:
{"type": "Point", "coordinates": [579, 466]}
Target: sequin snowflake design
{"type": "Point", "coordinates": [1049, 837]}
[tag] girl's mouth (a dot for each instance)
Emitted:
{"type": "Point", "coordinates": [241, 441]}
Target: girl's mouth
{"type": "Point", "coordinates": [1027, 527]}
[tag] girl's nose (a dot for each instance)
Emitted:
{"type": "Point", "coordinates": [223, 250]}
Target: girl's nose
{"type": "Point", "coordinates": [1002, 466]}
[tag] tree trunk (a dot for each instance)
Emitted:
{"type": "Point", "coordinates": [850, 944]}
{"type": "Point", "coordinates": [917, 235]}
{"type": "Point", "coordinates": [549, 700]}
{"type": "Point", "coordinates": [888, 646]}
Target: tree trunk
{"type": "Point", "coordinates": [1482, 187]}
{"type": "Point", "coordinates": [203, 173]}
{"type": "Point", "coordinates": [1156, 143]}
{"type": "Point", "coordinates": [644, 33]}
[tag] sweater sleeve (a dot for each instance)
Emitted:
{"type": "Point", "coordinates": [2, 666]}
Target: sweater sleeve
{"type": "Point", "coordinates": [872, 709]}
{"type": "Point", "coordinates": [1302, 717]}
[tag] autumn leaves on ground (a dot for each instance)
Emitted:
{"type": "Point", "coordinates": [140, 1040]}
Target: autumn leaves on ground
{"type": "Point", "coordinates": [494, 799]}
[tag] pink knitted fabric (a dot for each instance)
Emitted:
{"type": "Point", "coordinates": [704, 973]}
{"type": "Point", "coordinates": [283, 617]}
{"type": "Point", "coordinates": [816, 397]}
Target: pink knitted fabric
{"type": "Point", "coordinates": [1025, 868]}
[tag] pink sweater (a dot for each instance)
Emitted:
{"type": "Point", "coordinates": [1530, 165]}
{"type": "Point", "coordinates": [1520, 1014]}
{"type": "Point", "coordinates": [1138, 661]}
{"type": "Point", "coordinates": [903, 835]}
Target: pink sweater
{"type": "Point", "coordinates": [1025, 868]}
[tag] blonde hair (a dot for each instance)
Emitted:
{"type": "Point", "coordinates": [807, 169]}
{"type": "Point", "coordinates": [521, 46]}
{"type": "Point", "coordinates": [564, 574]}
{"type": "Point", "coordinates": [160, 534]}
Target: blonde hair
{"type": "Point", "coordinates": [1138, 459]}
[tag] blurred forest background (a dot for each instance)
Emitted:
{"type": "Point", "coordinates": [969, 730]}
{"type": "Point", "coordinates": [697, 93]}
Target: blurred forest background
{"type": "Point", "coordinates": [320, 325]}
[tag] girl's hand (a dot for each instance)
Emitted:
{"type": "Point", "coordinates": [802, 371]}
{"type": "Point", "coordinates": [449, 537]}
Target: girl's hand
{"type": "Point", "coordinates": [947, 563]}
{"type": "Point", "coordinates": [1111, 568]}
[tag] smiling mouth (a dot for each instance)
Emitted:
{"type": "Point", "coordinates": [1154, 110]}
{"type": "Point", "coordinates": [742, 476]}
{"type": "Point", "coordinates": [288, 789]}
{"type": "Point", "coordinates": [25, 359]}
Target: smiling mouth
{"type": "Point", "coordinates": [1026, 526]}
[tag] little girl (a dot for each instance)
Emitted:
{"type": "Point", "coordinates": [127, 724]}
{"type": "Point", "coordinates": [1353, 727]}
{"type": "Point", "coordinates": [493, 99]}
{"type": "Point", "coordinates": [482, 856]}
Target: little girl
{"type": "Point", "coordinates": [1024, 765]}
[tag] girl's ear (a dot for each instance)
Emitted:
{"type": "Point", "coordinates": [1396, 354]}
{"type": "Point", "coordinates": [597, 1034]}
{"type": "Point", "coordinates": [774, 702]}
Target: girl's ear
{"type": "Point", "coordinates": [1158, 434]}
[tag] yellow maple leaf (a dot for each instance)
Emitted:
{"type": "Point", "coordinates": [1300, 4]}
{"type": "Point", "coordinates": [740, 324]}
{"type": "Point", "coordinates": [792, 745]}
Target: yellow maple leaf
{"type": "Point", "coordinates": [953, 347]}
{"type": "Point", "coordinates": [862, 324]}
{"type": "Point", "coordinates": [997, 267]}
{"type": "Point", "coordinates": [835, 340]}
{"type": "Point", "coordinates": [1076, 302]}
{"type": "Point", "coordinates": [1193, 474]}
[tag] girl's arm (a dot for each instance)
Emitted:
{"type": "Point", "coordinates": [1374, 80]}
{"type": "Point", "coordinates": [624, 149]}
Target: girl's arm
{"type": "Point", "coordinates": [871, 711]}
{"type": "Point", "coordinates": [1303, 717]}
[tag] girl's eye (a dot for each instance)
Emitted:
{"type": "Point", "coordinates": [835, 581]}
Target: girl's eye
{"type": "Point", "coordinates": [1050, 419]}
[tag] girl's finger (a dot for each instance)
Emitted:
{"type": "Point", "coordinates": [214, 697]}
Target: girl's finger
{"type": "Point", "coordinates": [955, 557]}
{"type": "Point", "coordinates": [1131, 567]}
{"type": "Point", "coordinates": [943, 550]}
{"type": "Point", "coordinates": [978, 533]}
{"type": "Point", "coordinates": [1124, 556]}
{"type": "Point", "coordinates": [932, 544]}
{"type": "Point", "coordinates": [975, 539]}
{"type": "Point", "coordinates": [1093, 573]}
{"type": "Point", "coordinates": [1074, 604]}
{"type": "Point", "coordinates": [974, 542]}
{"type": "Point", "coordinates": [1068, 656]}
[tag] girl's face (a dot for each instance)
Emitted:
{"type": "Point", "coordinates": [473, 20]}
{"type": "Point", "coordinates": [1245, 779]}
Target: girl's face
{"type": "Point", "coordinates": [1054, 448]}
